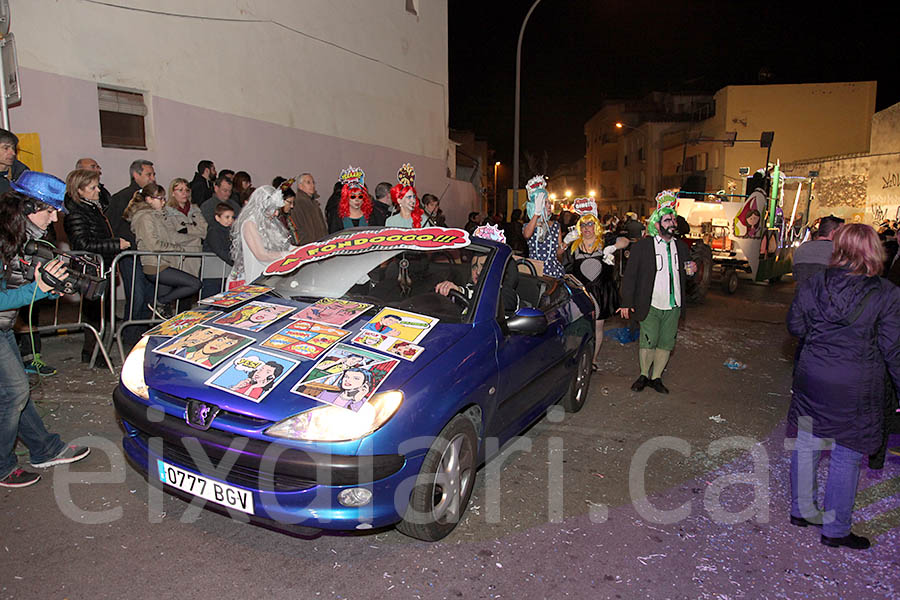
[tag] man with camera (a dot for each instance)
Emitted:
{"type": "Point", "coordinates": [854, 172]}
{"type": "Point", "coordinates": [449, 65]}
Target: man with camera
{"type": "Point", "coordinates": [25, 213]}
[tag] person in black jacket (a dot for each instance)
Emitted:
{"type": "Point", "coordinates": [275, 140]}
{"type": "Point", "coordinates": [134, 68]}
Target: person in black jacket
{"type": "Point", "coordinates": [92, 165]}
{"type": "Point", "coordinates": [218, 241]}
{"type": "Point", "coordinates": [653, 290]}
{"type": "Point", "coordinates": [202, 183]}
{"type": "Point", "coordinates": [89, 231]}
{"type": "Point", "coordinates": [142, 173]}
{"type": "Point", "coordinates": [382, 207]}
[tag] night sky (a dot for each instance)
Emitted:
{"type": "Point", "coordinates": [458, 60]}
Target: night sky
{"type": "Point", "coordinates": [576, 53]}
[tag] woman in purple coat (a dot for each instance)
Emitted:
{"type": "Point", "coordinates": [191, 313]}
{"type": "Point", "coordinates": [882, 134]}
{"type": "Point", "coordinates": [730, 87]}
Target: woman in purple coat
{"type": "Point", "coordinates": [848, 322]}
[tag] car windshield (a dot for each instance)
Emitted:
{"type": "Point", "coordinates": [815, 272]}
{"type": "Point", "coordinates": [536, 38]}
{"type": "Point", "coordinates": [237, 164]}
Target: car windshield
{"type": "Point", "coordinates": [404, 279]}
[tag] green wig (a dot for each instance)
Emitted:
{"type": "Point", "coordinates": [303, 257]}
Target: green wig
{"type": "Point", "coordinates": [666, 203]}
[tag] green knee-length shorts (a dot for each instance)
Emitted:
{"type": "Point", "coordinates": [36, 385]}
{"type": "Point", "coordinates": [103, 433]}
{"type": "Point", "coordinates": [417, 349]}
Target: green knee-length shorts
{"type": "Point", "coordinates": [660, 328]}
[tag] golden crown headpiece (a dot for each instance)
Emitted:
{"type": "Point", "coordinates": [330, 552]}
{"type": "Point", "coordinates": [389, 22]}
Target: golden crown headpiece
{"type": "Point", "coordinates": [406, 176]}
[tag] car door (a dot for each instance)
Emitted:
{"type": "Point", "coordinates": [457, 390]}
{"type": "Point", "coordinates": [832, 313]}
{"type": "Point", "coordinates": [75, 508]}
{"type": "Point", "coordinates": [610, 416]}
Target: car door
{"type": "Point", "coordinates": [531, 370]}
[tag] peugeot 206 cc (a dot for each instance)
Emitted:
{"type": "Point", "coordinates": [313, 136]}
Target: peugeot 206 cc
{"type": "Point", "coordinates": [357, 389]}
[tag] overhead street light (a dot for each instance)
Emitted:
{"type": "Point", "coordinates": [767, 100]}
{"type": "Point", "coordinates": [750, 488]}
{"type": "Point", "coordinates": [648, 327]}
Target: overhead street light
{"type": "Point", "coordinates": [515, 181]}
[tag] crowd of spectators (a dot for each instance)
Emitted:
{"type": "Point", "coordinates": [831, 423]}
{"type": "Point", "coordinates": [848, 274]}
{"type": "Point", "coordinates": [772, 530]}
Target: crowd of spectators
{"type": "Point", "coordinates": [203, 214]}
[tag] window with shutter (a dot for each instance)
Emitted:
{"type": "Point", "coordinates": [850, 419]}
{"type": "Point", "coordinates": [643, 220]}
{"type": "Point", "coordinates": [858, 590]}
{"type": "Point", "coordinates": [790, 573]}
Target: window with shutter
{"type": "Point", "coordinates": [122, 116]}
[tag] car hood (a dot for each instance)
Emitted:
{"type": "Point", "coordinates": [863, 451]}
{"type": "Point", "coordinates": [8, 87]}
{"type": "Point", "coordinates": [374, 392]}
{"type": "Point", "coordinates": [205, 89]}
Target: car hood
{"type": "Point", "coordinates": [187, 381]}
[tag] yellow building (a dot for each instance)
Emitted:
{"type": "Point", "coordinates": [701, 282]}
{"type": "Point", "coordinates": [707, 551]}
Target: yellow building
{"type": "Point", "coordinates": [816, 119]}
{"type": "Point", "coordinates": [680, 146]}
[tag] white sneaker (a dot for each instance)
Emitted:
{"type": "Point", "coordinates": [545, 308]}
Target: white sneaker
{"type": "Point", "coordinates": [69, 454]}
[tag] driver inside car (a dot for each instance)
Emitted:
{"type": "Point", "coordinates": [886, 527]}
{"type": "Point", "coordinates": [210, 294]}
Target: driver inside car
{"type": "Point", "coordinates": [507, 290]}
{"type": "Point", "coordinates": [468, 290]}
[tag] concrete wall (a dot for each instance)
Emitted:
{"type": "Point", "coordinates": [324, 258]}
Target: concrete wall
{"type": "Point", "coordinates": [277, 87]}
{"type": "Point", "coordinates": [861, 188]}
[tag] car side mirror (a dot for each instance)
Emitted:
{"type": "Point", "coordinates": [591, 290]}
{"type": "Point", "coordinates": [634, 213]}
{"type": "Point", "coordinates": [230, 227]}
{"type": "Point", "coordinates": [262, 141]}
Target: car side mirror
{"type": "Point", "coordinates": [527, 321]}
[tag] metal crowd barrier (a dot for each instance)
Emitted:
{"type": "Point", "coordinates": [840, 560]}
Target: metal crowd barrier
{"type": "Point", "coordinates": [113, 333]}
{"type": "Point", "coordinates": [80, 324]}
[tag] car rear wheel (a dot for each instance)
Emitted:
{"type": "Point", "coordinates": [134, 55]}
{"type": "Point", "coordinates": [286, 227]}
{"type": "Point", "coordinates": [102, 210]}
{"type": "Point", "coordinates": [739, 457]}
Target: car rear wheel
{"type": "Point", "coordinates": [444, 485]}
{"type": "Point", "coordinates": [578, 390]}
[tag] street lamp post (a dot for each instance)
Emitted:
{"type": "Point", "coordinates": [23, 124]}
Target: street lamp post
{"type": "Point", "coordinates": [496, 165]}
{"type": "Point", "coordinates": [515, 181]}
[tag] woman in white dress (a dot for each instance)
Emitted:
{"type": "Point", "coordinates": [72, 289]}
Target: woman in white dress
{"type": "Point", "coordinates": [258, 237]}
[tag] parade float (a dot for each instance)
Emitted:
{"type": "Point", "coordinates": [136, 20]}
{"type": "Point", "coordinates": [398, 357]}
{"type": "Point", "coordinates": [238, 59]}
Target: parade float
{"type": "Point", "coordinates": [753, 233]}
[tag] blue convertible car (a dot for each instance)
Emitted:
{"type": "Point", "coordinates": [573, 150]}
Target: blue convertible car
{"type": "Point", "coordinates": [386, 425]}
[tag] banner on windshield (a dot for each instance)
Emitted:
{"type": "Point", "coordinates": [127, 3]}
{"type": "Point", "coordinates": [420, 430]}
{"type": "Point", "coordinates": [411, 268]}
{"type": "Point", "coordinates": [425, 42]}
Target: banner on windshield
{"type": "Point", "coordinates": [391, 238]}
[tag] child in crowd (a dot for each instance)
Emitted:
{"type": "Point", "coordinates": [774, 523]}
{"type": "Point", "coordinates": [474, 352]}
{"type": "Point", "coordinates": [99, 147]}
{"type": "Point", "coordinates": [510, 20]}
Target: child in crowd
{"type": "Point", "coordinates": [218, 241]}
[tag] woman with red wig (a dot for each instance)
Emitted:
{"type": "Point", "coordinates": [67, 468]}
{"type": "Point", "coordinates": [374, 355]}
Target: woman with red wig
{"type": "Point", "coordinates": [354, 209]}
{"type": "Point", "coordinates": [404, 196]}
{"type": "Point", "coordinates": [355, 205]}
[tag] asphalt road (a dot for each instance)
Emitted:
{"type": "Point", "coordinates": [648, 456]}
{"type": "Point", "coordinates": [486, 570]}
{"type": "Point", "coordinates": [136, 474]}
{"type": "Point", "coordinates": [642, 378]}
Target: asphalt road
{"type": "Point", "coordinates": [637, 496]}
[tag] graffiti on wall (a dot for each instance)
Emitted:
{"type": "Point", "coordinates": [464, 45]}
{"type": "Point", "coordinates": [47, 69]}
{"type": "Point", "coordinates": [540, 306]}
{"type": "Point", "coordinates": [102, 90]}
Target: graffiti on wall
{"type": "Point", "coordinates": [891, 181]}
{"type": "Point", "coordinates": [880, 214]}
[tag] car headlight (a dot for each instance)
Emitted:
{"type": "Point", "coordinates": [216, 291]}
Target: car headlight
{"type": "Point", "coordinates": [133, 371]}
{"type": "Point", "coordinates": [335, 424]}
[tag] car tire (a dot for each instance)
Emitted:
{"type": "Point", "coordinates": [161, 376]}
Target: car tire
{"type": "Point", "coordinates": [729, 281]}
{"type": "Point", "coordinates": [444, 485]}
{"type": "Point", "coordinates": [576, 396]}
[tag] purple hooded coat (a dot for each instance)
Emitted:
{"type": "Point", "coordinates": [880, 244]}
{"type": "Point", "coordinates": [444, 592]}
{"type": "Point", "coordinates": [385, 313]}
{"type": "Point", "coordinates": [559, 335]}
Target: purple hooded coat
{"type": "Point", "coordinates": [841, 368]}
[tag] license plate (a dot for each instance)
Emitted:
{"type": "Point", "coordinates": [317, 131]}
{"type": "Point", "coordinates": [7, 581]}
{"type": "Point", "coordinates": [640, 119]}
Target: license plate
{"type": "Point", "coordinates": [206, 488]}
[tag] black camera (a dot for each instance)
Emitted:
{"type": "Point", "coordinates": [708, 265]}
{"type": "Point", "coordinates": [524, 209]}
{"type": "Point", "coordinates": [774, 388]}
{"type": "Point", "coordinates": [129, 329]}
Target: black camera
{"type": "Point", "coordinates": [85, 274]}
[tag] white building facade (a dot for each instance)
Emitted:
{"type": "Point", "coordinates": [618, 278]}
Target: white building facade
{"type": "Point", "coordinates": [272, 87]}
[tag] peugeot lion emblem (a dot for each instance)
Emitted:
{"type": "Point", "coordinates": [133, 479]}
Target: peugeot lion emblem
{"type": "Point", "coordinates": [200, 415]}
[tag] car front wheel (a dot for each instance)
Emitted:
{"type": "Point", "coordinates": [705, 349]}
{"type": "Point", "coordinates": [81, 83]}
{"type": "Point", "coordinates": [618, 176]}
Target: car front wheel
{"type": "Point", "coordinates": [444, 485]}
{"type": "Point", "coordinates": [578, 390]}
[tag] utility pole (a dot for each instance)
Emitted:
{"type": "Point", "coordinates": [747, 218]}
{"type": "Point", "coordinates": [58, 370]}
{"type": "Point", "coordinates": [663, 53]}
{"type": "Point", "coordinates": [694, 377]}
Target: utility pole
{"type": "Point", "coordinates": [515, 181]}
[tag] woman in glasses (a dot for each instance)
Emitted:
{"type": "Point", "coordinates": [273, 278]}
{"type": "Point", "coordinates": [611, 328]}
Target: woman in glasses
{"type": "Point", "coordinates": [146, 212]}
{"type": "Point", "coordinates": [354, 209]}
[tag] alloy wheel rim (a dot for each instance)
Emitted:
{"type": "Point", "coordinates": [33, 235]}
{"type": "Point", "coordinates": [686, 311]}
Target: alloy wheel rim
{"type": "Point", "coordinates": [451, 481]}
{"type": "Point", "coordinates": [581, 378]}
